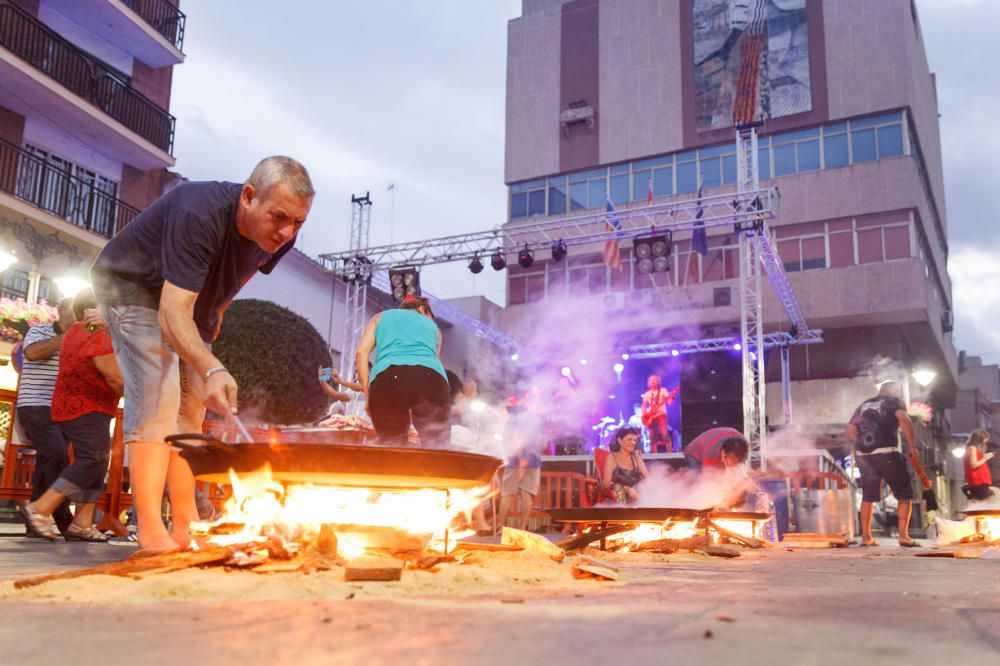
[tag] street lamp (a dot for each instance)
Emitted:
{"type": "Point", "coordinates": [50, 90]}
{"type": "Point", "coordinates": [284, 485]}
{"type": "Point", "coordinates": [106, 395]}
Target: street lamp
{"type": "Point", "coordinates": [924, 376]}
{"type": "Point", "coordinates": [69, 286]}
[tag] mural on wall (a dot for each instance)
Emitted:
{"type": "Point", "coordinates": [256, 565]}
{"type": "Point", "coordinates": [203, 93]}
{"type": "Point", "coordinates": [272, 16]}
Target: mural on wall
{"type": "Point", "coordinates": [751, 61]}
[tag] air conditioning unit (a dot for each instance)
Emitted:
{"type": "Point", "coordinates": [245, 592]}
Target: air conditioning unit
{"type": "Point", "coordinates": [948, 321]}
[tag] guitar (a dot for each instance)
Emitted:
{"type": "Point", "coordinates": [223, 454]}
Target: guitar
{"type": "Point", "coordinates": [649, 415]}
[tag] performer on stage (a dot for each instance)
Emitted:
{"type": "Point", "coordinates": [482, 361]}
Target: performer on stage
{"type": "Point", "coordinates": [654, 414]}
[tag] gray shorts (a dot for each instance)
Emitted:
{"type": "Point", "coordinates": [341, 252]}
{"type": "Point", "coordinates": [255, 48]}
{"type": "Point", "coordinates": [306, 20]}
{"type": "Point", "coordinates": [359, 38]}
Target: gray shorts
{"type": "Point", "coordinates": [163, 395]}
{"type": "Point", "coordinates": [516, 479]}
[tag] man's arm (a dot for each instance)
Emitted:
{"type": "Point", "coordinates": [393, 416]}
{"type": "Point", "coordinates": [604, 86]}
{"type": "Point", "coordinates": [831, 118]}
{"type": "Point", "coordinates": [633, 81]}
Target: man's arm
{"type": "Point", "coordinates": [43, 349]}
{"type": "Point", "coordinates": [176, 318]}
{"type": "Point", "coordinates": [851, 432]}
{"type": "Point", "coordinates": [906, 427]}
{"type": "Point", "coordinates": [108, 368]}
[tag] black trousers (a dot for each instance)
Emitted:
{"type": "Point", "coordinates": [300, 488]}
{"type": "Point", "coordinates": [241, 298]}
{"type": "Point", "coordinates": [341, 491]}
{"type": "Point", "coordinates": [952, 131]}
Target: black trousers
{"type": "Point", "coordinates": [51, 455]}
{"type": "Point", "coordinates": [404, 392]}
{"type": "Point", "coordinates": [90, 434]}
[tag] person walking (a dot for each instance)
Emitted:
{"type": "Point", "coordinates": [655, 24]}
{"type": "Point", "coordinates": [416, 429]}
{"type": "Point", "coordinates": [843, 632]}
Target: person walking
{"type": "Point", "coordinates": [873, 428]}
{"type": "Point", "coordinates": [163, 284]}
{"type": "Point", "coordinates": [84, 402]}
{"type": "Point", "coordinates": [977, 471]}
{"type": "Point", "coordinates": [34, 409]}
{"type": "Point", "coordinates": [407, 380]}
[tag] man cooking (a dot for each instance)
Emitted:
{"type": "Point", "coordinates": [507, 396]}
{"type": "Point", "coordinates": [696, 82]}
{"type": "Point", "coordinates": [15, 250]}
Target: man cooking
{"type": "Point", "coordinates": [163, 283]}
{"type": "Point", "coordinates": [724, 450]}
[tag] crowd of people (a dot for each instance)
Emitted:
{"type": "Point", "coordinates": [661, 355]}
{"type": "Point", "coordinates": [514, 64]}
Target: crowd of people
{"type": "Point", "coordinates": [161, 287]}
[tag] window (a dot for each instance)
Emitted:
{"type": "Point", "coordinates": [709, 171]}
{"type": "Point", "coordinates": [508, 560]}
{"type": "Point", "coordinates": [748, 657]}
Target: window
{"type": "Point", "coordinates": [890, 141]}
{"type": "Point", "coordinates": [534, 288]}
{"type": "Point", "coordinates": [15, 283]}
{"type": "Point", "coordinates": [527, 199]}
{"type": "Point", "coordinates": [619, 188]}
{"type": "Point", "coordinates": [808, 155]}
{"type": "Point", "coordinates": [518, 205]}
{"type": "Point", "coordinates": [863, 145]}
{"type": "Point", "coordinates": [640, 184]}
{"type": "Point", "coordinates": [835, 150]}
{"type": "Point", "coordinates": [897, 242]}
{"type": "Point", "coordinates": [536, 203]}
{"type": "Point", "coordinates": [841, 248]}
{"type": "Point", "coordinates": [557, 196]}
{"type": "Point", "coordinates": [687, 174]}
{"type": "Point", "coordinates": [663, 181]}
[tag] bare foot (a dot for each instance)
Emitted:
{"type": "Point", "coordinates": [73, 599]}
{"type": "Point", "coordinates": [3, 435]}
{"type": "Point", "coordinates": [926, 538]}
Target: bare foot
{"type": "Point", "coordinates": [156, 541]}
{"type": "Point", "coordinates": [181, 537]}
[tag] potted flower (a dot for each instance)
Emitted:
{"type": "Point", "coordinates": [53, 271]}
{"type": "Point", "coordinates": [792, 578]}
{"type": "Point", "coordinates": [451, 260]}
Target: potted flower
{"type": "Point", "coordinates": [17, 316]}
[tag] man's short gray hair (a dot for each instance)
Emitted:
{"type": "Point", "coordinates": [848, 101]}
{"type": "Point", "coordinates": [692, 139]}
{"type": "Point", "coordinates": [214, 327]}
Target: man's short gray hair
{"type": "Point", "coordinates": [276, 169]}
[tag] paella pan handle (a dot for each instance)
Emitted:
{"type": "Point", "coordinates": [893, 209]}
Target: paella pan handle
{"type": "Point", "coordinates": [183, 441]}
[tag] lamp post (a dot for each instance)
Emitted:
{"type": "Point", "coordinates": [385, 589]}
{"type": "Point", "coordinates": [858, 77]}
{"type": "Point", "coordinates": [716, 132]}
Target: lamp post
{"type": "Point", "coordinates": [70, 285]}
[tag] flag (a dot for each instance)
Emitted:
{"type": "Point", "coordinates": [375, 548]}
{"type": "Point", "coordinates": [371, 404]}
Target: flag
{"type": "Point", "coordinates": [699, 239]}
{"type": "Point", "coordinates": [612, 256]}
{"type": "Point", "coordinates": [649, 190]}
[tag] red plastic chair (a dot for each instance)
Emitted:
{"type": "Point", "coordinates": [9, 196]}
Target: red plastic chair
{"type": "Point", "coordinates": [600, 492]}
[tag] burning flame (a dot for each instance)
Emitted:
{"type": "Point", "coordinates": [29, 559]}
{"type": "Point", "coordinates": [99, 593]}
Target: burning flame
{"type": "Point", "coordinates": [686, 529]}
{"type": "Point", "coordinates": [264, 508]}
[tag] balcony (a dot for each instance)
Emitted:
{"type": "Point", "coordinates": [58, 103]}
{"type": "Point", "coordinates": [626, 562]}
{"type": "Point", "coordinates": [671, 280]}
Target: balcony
{"type": "Point", "coordinates": [76, 200]}
{"type": "Point", "coordinates": [101, 106]}
{"type": "Point", "coordinates": [152, 31]}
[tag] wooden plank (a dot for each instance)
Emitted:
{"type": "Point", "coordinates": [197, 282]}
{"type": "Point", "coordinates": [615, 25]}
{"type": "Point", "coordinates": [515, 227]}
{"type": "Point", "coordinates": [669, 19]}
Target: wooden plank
{"type": "Point", "coordinates": [588, 567]}
{"type": "Point", "coordinates": [719, 551]}
{"type": "Point", "coordinates": [587, 538]}
{"type": "Point", "coordinates": [749, 542]}
{"type": "Point", "coordinates": [531, 542]}
{"type": "Point", "coordinates": [673, 545]}
{"type": "Point", "coordinates": [489, 547]}
{"type": "Point", "coordinates": [373, 569]}
{"type": "Point", "coordinates": [163, 562]}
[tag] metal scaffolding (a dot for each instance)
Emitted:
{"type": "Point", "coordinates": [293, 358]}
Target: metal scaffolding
{"type": "Point", "coordinates": [356, 304]}
{"type": "Point", "coordinates": [746, 212]}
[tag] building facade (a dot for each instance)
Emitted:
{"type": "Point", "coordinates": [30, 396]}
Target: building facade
{"type": "Point", "coordinates": [86, 136]}
{"type": "Point", "coordinates": [620, 101]}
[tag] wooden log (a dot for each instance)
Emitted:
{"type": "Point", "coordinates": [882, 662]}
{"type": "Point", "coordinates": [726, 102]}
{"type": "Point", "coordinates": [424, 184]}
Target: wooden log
{"type": "Point", "coordinates": [531, 542]}
{"type": "Point", "coordinates": [719, 551]}
{"type": "Point", "coordinates": [937, 553]}
{"type": "Point", "coordinates": [749, 542]}
{"type": "Point", "coordinates": [673, 545]}
{"type": "Point", "coordinates": [163, 562]}
{"type": "Point", "coordinates": [587, 538]}
{"type": "Point", "coordinates": [588, 567]}
{"type": "Point", "coordinates": [373, 569]}
{"type": "Point", "coordinates": [489, 547]}
{"type": "Point", "coordinates": [375, 537]}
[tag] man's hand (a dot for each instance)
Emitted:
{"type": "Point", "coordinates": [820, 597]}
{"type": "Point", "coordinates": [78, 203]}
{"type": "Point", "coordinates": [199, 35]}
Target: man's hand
{"type": "Point", "coordinates": [927, 484]}
{"type": "Point", "coordinates": [220, 394]}
{"type": "Point", "coordinates": [94, 320]}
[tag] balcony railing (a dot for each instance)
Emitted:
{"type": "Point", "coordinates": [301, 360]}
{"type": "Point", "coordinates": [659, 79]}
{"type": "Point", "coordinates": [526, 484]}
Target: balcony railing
{"type": "Point", "coordinates": [76, 200]}
{"type": "Point", "coordinates": [34, 42]}
{"type": "Point", "coordinates": [163, 17]}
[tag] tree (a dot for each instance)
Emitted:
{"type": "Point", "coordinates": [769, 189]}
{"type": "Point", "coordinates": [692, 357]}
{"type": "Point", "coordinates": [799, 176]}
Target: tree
{"type": "Point", "coordinates": [273, 354]}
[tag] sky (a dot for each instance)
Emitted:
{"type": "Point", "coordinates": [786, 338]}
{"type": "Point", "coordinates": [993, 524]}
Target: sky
{"type": "Point", "coordinates": [411, 93]}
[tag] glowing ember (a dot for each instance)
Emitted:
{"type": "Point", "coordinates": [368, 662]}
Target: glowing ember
{"type": "Point", "coordinates": [989, 527]}
{"type": "Point", "coordinates": [645, 532]}
{"type": "Point", "coordinates": [261, 508]}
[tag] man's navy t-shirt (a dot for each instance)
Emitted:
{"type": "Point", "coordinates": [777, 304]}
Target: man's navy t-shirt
{"type": "Point", "coordinates": [877, 423]}
{"type": "Point", "coordinates": [188, 237]}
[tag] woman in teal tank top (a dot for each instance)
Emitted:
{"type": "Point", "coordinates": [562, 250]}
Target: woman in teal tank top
{"type": "Point", "coordinates": [406, 380]}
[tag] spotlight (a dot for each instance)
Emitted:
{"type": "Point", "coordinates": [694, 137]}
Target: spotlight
{"type": "Point", "coordinates": [652, 253]}
{"type": "Point", "coordinates": [619, 367]}
{"type": "Point", "coordinates": [566, 372]}
{"type": "Point", "coordinates": [753, 356]}
{"type": "Point", "coordinates": [559, 251]}
{"type": "Point", "coordinates": [674, 352]}
{"type": "Point", "coordinates": [404, 282]}
{"type": "Point", "coordinates": [525, 258]}
{"type": "Point", "coordinates": [625, 357]}
{"type": "Point", "coordinates": [958, 452]}
{"type": "Point", "coordinates": [476, 265]}
{"type": "Point", "coordinates": [924, 376]}
{"type": "Point", "coordinates": [515, 357]}
{"type": "Point", "coordinates": [737, 346]}
{"type": "Point", "coordinates": [583, 361]}
{"type": "Point", "coordinates": [497, 261]}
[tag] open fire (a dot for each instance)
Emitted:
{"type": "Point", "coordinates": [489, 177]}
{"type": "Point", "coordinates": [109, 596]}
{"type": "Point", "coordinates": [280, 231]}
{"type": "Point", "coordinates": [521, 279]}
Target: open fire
{"type": "Point", "coordinates": [683, 530]}
{"type": "Point", "coordinates": [361, 519]}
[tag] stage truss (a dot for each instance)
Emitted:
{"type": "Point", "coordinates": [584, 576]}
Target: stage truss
{"type": "Point", "coordinates": [745, 211]}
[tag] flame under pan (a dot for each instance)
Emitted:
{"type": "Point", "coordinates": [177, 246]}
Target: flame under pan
{"type": "Point", "coordinates": [335, 463]}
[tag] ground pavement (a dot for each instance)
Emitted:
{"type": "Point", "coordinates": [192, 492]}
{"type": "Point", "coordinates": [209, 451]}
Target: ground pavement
{"type": "Point", "coordinates": [871, 606]}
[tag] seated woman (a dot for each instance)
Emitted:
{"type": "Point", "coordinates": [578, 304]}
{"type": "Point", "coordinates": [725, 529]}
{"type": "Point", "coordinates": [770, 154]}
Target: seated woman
{"type": "Point", "coordinates": [977, 471]}
{"type": "Point", "coordinates": [624, 468]}
{"type": "Point", "coordinates": [85, 400]}
{"type": "Point", "coordinates": [407, 379]}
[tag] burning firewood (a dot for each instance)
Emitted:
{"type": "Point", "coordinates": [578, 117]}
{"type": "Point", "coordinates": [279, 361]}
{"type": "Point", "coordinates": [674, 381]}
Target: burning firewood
{"type": "Point", "coordinates": [531, 542]}
{"type": "Point", "coordinates": [373, 569]}
{"type": "Point", "coordinates": [489, 547]}
{"type": "Point", "coordinates": [673, 545]}
{"type": "Point", "coordinates": [588, 567]}
{"type": "Point", "coordinates": [587, 538]}
{"type": "Point", "coordinates": [749, 542]}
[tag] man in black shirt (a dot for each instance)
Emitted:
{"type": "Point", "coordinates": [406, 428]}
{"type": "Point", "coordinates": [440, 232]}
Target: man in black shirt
{"type": "Point", "coordinates": [873, 429]}
{"type": "Point", "coordinates": [164, 283]}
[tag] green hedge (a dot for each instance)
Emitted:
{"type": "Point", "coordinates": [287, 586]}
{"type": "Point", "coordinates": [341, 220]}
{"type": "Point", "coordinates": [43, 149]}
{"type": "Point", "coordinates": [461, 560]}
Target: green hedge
{"type": "Point", "coordinates": [273, 354]}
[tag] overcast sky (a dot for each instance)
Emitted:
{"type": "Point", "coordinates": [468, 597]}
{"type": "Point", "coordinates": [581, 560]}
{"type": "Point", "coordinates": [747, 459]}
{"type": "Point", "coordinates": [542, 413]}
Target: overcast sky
{"type": "Point", "coordinates": [411, 93]}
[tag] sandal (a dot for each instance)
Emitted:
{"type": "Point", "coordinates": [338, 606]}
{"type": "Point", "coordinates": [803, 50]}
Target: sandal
{"type": "Point", "coordinates": [43, 526]}
{"type": "Point", "coordinates": [90, 534]}
{"type": "Point", "coordinates": [909, 544]}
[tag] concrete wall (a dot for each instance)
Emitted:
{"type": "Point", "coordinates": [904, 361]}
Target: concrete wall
{"type": "Point", "coordinates": [819, 402]}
